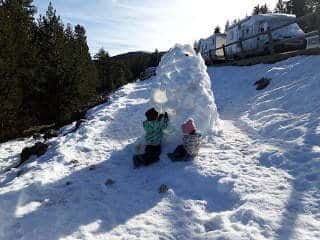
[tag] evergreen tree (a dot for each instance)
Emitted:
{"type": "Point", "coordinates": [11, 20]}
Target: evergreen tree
{"type": "Point", "coordinates": [313, 6]}
{"type": "Point", "coordinates": [217, 29]}
{"type": "Point", "coordinates": [260, 9]}
{"type": "Point", "coordinates": [16, 62]}
{"type": "Point", "coordinates": [46, 71]}
{"type": "Point", "coordinates": [280, 7]}
{"type": "Point", "coordinates": [226, 27]}
{"type": "Point", "coordinates": [155, 58]}
{"type": "Point", "coordinates": [119, 74]}
{"type": "Point", "coordinates": [50, 42]}
{"type": "Point", "coordinates": [297, 7]}
{"type": "Point", "coordinates": [102, 55]}
{"type": "Point", "coordinates": [264, 9]}
{"type": "Point", "coordinates": [256, 10]}
{"type": "Point", "coordinates": [103, 62]}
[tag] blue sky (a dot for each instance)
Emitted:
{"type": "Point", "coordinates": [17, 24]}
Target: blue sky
{"type": "Point", "coordinates": [130, 25]}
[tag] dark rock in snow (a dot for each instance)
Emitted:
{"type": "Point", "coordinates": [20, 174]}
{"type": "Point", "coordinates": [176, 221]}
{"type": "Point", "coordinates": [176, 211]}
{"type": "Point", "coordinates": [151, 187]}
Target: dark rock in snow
{"type": "Point", "coordinates": [51, 133]}
{"type": "Point", "coordinates": [19, 173]}
{"type": "Point", "coordinates": [75, 162]}
{"type": "Point", "coordinates": [93, 167]}
{"type": "Point", "coordinates": [68, 183]}
{"type": "Point", "coordinates": [163, 188]}
{"type": "Point", "coordinates": [262, 83]}
{"type": "Point", "coordinates": [109, 182]}
{"type": "Point", "coordinates": [38, 149]}
{"type": "Point", "coordinates": [36, 136]}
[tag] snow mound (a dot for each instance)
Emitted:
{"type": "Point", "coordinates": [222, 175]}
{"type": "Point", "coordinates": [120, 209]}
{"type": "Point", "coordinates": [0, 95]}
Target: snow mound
{"type": "Point", "coordinates": [184, 91]}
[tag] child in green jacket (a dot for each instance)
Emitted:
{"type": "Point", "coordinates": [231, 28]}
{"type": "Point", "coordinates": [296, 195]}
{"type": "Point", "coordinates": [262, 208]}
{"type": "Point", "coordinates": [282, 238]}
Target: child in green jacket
{"type": "Point", "coordinates": [153, 126]}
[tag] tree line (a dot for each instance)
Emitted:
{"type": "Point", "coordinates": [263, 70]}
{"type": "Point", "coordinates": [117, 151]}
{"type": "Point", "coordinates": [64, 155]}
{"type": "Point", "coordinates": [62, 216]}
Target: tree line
{"type": "Point", "coordinates": [307, 12]}
{"type": "Point", "coordinates": [47, 72]}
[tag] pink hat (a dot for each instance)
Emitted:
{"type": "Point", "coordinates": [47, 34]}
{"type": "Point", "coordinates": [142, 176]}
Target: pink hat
{"type": "Point", "coordinates": [188, 127]}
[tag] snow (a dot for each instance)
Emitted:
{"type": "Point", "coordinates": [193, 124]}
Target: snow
{"type": "Point", "coordinates": [259, 179]}
{"type": "Point", "coordinates": [183, 76]}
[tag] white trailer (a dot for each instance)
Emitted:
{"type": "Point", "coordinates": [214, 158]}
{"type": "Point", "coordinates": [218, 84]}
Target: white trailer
{"type": "Point", "coordinates": [256, 24]}
{"type": "Point", "coordinates": [207, 47]}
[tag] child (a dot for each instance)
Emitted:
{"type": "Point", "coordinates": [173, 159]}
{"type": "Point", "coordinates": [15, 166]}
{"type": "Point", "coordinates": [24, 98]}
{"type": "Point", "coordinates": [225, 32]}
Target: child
{"type": "Point", "coordinates": [191, 143]}
{"type": "Point", "coordinates": [153, 126]}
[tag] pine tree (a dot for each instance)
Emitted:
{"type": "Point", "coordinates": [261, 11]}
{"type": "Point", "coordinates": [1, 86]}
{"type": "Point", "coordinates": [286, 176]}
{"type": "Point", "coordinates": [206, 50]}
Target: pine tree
{"type": "Point", "coordinates": [297, 7]}
{"type": "Point", "coordinates": [256, 10]}
{"type": "Point", "coordinates": [50, 41]}
{"type": "Point", "coordinates": [313, 6]}
{"type": "Point", "coordinates": [155, 58]}
{"type": "Point", "coordinates": [264, 9]}
{"type": "Point", "coordinates": [226, 27]}
{"type": "Point", "coordinates": [102, 62]}
{"type": "Point", "coordinates": [87, 76]}
{"type": "Point", "coordinates": [280, 7]}
{"type": "Point", "coordinates": [16, 62]}
{"type": "Point", "coordinates": [102, 55]}
{"type": "Point", "coordinates": [217, 29]}
{"type": "Point", "coordinates": [260, 9]}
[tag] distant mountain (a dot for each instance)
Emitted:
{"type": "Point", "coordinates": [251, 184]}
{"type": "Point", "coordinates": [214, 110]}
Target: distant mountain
{"type": "Point", "coordinates": [131, 54]}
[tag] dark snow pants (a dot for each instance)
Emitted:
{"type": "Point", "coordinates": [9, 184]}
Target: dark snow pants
{"type": "Point", "coordinates": [151, 154]}
{"type": "Point", "coordinates": [179, 154]}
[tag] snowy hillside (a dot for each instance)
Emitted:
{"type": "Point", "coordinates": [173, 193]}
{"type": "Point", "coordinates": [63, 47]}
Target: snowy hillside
{"type": "Point", "coordinates": [259, 179]}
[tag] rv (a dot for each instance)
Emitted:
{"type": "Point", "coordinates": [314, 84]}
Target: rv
{"type": "Point", "coordinates": [207, 47]}
{"type": "Point", "coordinates": [256, 24]}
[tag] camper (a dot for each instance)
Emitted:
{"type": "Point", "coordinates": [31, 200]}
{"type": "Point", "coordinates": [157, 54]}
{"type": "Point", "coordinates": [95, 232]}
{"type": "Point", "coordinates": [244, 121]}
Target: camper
{"type": "Point", "coordinates": [207, 47]}
{"type": "Point", "coordinates": [292, 34]}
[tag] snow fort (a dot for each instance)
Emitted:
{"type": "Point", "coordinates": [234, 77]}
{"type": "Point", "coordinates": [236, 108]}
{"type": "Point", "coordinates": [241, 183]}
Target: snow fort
{"type": "Point", "coordinates": [184, 91]}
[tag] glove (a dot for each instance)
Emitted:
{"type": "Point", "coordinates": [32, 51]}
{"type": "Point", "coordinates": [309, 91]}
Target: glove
{"type": "Point", "coordinates": [160, 117]}
{"type": "Point", "coordinates": [166, 116]}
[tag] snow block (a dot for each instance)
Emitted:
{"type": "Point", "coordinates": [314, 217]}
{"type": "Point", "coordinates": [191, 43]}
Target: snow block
{"type": "Point", "coordinates": [182, 76]}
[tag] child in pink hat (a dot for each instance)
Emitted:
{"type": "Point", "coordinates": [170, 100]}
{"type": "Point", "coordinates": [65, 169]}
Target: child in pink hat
{"type": "Point", "coordinates": [191, 143]}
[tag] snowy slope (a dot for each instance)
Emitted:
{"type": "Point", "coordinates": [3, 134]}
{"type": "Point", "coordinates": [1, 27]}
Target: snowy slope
{"type": "Point", "coordinates": [258, 180]}
{"type": "Point", "coordinates": [282, 124]}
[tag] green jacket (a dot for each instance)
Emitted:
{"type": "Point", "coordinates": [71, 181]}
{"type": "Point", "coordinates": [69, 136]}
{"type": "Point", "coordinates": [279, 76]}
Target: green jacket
{"type": "Point", "coordinates": [154, 131]}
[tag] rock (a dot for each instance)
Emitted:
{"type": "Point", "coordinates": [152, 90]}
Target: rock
{"type": "Point", "coordinates": [78, 124]}
{"type": "Point", "coordinates": [109, 182]}
{"type": "Point", "coordinates": [78, 115]}
{"type": "Point", "coordinates": [36, 136]}
{"type": "Point", "coordinates": [68, 183]}
{"type": "Point", "coordinates": [163, 188]}
{"type": "Point", "coordinates": [38, 149]}
{"type": "Point", "coordinates": [51, 133]}
{"type": "Point", "coordinates": [75, 162]}
{"type": "Point", "coordinates": [93, 167]}
{"type": "Point", "coordinates": [19, 173]}
{"type": "Point", "coordinates": [262, 83]}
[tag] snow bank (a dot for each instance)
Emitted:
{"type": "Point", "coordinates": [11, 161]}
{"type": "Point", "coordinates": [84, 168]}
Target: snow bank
{"type": "Point", "coordinates": [182, 75]}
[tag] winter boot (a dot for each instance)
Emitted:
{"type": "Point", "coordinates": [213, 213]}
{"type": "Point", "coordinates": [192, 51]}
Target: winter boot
{"type": "Point", "coordinates": [173, 157]}
{"type": "Point", "coordinates": [137, 161]}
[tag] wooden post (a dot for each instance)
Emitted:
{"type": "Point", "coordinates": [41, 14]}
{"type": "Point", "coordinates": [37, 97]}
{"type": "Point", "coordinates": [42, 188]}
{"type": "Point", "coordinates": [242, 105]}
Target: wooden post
{"type": "Point", "coordinates": [210, 57]}
{"type": "Point", "coordinates": [271, 42]}
{"type": "Point", "coordinates": [241, 48]}
{"type": "Point", "coordinates": [224, 51]}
